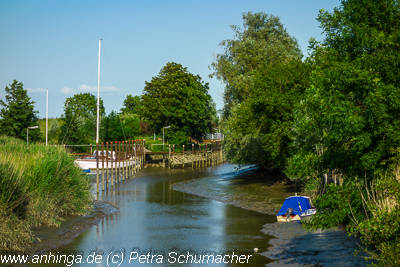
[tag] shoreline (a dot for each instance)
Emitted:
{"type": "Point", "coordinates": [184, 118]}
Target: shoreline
{"type": "Point", "coordinates": [52, 238]}
{"type": "Point", "coordinates": [290, 244]}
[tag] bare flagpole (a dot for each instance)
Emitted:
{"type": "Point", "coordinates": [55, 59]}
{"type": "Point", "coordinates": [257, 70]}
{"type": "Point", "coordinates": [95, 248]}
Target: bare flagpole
{"type": "Point", "coordinates": [98, 94]}
{"type": "Point", "coordinates": [47, 113]}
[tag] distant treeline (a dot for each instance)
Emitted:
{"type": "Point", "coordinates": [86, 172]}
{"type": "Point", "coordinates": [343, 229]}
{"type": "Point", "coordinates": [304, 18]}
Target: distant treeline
{"type": "Point", "coordinates": [330, 121]}
{"type": "Point", "coordinates": [175, 98]}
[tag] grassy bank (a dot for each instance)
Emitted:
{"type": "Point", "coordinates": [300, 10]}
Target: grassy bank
{"type": "Point", "coordinates": [39, 185]}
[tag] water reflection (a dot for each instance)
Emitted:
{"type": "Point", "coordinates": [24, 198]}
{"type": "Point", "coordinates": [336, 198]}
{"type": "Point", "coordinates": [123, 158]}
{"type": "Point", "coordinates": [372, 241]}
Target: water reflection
{"type": "Point", "coordinates": [155, 218]}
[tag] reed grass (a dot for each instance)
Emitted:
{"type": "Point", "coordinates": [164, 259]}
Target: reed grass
{"type": "Point", "coordinates": [39, 185]}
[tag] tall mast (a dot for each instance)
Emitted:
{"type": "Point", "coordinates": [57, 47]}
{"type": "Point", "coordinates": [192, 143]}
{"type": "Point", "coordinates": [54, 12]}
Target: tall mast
{"type": "Point", "coordinates": [47, 112]}
{"type": "Point", "coordinates": [98, 94]}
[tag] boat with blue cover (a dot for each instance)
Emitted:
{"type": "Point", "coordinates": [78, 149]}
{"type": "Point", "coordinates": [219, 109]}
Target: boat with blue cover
{"type": "Point", "coordinates": [295, 208]}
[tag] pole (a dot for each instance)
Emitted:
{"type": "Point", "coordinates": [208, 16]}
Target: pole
{"type": "Point", "coordinates": [47, 113]}
{"type": "Point", "coordinates": [98, 94]}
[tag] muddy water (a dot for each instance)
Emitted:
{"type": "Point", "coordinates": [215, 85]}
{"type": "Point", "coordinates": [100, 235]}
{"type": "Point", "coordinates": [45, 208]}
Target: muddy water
{"type": "Point", "coordinates": [155, 218]}
{"type": "Point", "coordinates": [199, 212]}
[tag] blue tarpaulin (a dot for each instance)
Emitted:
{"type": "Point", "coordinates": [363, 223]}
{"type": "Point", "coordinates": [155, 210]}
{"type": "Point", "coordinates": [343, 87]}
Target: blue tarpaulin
{"type": "Point", "coordinates": [298, 204]}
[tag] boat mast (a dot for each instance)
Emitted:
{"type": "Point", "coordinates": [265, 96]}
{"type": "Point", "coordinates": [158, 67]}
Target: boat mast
{"type": "Point", "coordinates": [98, 94]}
{"type": "Point", "coordinates": [47, 112]}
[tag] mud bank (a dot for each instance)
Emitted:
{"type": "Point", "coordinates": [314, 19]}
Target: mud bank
{"type": "Point", "coordinates": [51, 238]}
{"type": "Point", "coordinates": [248, 188]}
{"type": "Point", "coordinates": [292, 245]}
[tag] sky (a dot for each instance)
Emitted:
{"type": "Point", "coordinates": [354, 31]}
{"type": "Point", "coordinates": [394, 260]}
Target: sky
{"type": "Point", "coordinates": [53, 44]}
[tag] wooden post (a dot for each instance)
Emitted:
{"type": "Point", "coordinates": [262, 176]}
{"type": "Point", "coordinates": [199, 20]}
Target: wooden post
{"type": "Point", "coordinates": [102, 166]}
{"type": "Point", "coordinates": [127, 159]}
{"type": "Point", "coordinates": [130, 158]}
{"type": "Point", "coordinates": [107, 150]}
{"type": "Point", "coordinates": [112, 164]}
{"type": "Point", "coordinates": [134, 156]}
{"type": "Point", "coordinates": [173, 153]}
{"type": "Point", "coordinates": [97, 167]}
{"type": "Point", "coordinates": [169, 156]}
{"type": "Point", "coordinates": [183, 156]}
{"type": "Point", "coordinates": [192, 156]}
{"type": "Point", "coordinates": [144, 152]}
{"type": "Point", "coordinates": [124, 159]}
{"type": "Point", "coordinates": [91, 150]}
{"type": "Point", "coordinates": [118, 148]}
{"type": "Point", "coordinates": [136, 162]}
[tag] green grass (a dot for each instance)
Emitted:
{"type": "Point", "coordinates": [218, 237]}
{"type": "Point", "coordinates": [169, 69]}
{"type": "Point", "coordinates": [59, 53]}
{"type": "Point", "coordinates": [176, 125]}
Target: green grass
{"type": "Point", "coordinates": [39, 185]}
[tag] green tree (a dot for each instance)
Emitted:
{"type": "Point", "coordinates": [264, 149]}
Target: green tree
{"type": "Point", "coordinates": [121, 126]}
{"type": "Point", "coordinates": [349, 119]}
{"type": "Point", "coordinates": [261, 41]}
{"type": "Point", "coordinates": [79, 126]}
{"type": "Point", "coordinates": [17, 113]}
{"type": "Point", "coordinates": [264, 77]}
{"type": "Point", "coordinates": [132, 105]}
{"type": "Point", "coordinates": [178, 99]}
{"type": "Point", "coordinates": [348, 124]}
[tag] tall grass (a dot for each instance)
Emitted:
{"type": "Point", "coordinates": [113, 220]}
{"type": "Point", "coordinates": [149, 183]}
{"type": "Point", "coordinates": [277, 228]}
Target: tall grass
{"type": "Point", "coordinates": [39, 185]}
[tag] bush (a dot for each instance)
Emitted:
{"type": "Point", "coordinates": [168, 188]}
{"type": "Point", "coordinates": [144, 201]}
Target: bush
{"type": "Point", "coordinates": [39, 185]}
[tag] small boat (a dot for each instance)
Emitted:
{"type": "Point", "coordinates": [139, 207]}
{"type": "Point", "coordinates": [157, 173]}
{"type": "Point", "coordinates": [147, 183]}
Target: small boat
{"type": "Point", "coordinates": [89, 164]}
{"type": "Point", "coordinates": [295, 208]}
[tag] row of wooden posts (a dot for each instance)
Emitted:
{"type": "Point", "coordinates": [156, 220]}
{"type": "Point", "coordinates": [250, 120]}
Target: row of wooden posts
{"type": "Point", "coordinates": [206, 155]}
{"type": "Point", "coordinates": [118, 161]}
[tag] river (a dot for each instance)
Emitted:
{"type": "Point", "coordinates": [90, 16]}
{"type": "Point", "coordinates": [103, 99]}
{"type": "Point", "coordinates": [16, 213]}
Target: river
{"type": "Point", "coordinates": [155, 219]}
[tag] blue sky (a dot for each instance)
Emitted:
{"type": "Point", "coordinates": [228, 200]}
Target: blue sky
{"type": "Point", "coordinates": [53, 44]}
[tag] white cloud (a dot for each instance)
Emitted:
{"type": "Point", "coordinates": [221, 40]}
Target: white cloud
{"type": "Point", "coordinates": [90, 88]}
{"type": "Point", "coordinates": [36, 90]}
{"type": "Point", "coordinates": [67, 90]}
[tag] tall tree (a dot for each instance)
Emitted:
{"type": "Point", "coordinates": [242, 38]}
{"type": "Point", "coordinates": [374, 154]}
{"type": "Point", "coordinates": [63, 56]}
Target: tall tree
{"type": "Point", "coordinates": [17, 113]}
{"type": "Point", "coordinates": [121, 126]}
{"type": "Point", "coordinates": [264, 77]}
{"type": "Point", "coordinates": [261, 41]}
{"type": "Point", "coordinates": [178, 99]}
{"type": "Point", "coordinates": [79, 118]}
{"type": "Point", "coordinates": [132, 105]}
{"type": "Point", "coordinates": [349, 119]}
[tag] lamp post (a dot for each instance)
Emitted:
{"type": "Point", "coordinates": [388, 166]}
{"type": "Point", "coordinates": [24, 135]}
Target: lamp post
{"type": "Point", "coordinates": [165, 127]}
{"type": "Point", "coordinates": [27, 133]}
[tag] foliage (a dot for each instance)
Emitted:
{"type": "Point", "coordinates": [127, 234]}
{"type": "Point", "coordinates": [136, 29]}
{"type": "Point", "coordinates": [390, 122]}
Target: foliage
{"type": "Point", "coordinates": [348, 123]}
{"type": "Point", "coordinates": [133, 105]}
{"type": "Point", "coordinates": [349, 115]}
{"type": "Point", "coordinates": [17, 113]}
{"type": "Point", "coordinates": [121, 126]}
{"type": "Point", "coordinates": [79, 119]}
{"type": "Point", "coordinates": [178, 99]}
{"type": "Point", "coordinates": [54, 129]}
{"type": "Point", "coordinates": [337, 206]}
{"type": "Point", "coordinates": [39, 185]}
{"type": "Point", "coordinates": [264, 77]}
{"type": "Point", "coordinates": [262, 41]}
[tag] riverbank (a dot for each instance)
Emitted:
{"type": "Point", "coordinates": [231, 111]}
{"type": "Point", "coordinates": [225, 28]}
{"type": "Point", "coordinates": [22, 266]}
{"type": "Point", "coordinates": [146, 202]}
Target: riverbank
{"type": "Point", "coordinates": [50, 238]}
{"type": "Point", "coordinates": [40, 186]}
{"type": "Point", "coordinates": [248, 188]}
{"type": "Point", "coordinates": [290, 244]}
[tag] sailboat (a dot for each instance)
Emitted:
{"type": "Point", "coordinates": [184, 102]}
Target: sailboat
{"type": "Point", "coordinates": [93, 162]}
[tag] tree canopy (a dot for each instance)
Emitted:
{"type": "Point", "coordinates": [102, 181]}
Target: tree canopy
{"type": "Point", "coordinates": [17, 113]}
{"type": "Point", "coordinates": [179, 99]}
{"type": "Point", "coordinates": [264, 77]}
{"type": "Point", "coordinates": [121, 126]}
{"type": "Point", "coordinates": [79, 126]}
{"type": "Point", "coordinates": [132, 105]}
{"type": "Point", "coordinates": [349, 118]}
{"type": "Point", "coordinates": [262, 41]}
